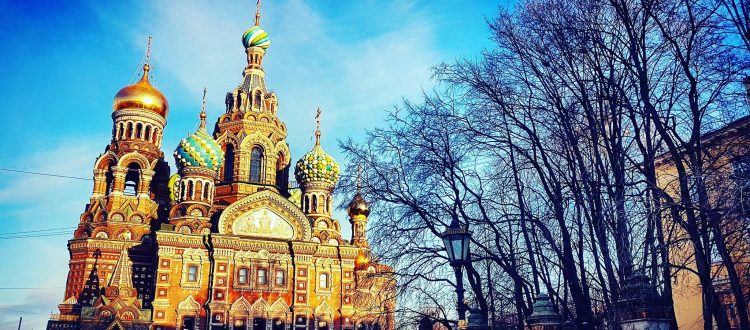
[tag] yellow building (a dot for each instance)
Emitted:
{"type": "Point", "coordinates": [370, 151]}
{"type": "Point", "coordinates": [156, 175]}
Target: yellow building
{"type": "Point", "coordinates": [224, 243]}
{"type": "Point", "coordinates": [727, 181]}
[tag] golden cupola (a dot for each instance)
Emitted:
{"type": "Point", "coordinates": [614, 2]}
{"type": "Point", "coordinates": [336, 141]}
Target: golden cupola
{"type": "Point", "coordinates": [142, 95]}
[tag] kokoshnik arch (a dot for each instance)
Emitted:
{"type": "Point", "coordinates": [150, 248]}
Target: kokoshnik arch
{"type": "Point", "coordinates": [224, 243]}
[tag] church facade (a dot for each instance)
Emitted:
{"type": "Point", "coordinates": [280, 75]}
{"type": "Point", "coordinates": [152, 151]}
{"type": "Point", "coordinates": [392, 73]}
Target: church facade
{"type": "Point", "coordinates": [224, 243]}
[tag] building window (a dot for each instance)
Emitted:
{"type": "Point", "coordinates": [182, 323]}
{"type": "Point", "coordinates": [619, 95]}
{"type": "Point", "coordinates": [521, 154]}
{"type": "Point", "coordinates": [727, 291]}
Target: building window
{"type": "Point", "coordinates": [256, 164]}
{"type": "Point", "coordinates": [132, 179]}
{"type": "Point", "coordinates": [324, 281]}
{"type": "Point", "coordinates": [279, 277]}
{"type": "Point", "coordinates": [242, 276]}
{"type": "Point", "coordinates": [192, 275]}
{"type": "Point", "coordinates": [262, 276]}
{"type": "Point", "coordinates": [229, 163]}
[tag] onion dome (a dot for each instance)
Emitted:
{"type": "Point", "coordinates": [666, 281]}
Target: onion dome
{"type": "Point", "coordinates": [142, 95]}
{"type": "Point", "coordinates": [256, 37]}
{"type": "Point", "coordinates": [358, 206]}
{"type": "Point", "coordinates": [199, 149]}
{"type": "Point", "coordinates": [317, 166]}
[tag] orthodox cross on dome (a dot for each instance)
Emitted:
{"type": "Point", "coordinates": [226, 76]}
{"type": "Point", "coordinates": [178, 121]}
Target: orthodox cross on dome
{"type": "Point", "coordinates": [146, 66]}
{"type": "Point", "coordinates": [203, 109]}
{"type": "Point", "coordinates": [317, 126]}
{"type": "Point", "coordinates": [148, 50]}
{"type": "Point", "coordinates": [257, 13]}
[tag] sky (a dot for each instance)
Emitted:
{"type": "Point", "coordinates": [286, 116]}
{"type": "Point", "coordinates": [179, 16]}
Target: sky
{"type": "Point", "coordinates": [61, 63]}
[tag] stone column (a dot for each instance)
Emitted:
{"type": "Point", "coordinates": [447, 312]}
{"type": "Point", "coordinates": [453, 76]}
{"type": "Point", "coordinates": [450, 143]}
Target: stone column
{"type": "Point", "coordinates": [119, 173]}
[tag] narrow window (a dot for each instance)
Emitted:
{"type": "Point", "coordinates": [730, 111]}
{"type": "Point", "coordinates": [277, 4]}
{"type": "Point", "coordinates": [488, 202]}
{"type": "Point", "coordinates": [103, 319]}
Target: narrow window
{"type": "Point", "coordinates": [138, 130]}
{"type": "Point", "coordinates": [189, 190]}
{"type": "Point", "coordinates": [242, 276]}
{"type": "Point", "coordinates": [229, 163]}
{"type": "Point", "coordinates": [256, 162]}
{"type": "Point", "coordinates": [192, 275]}
{"type": "Point", "coordinates": [279, 277]}
{"type": "Point", "coordinates": [147, 136]}
{"type": "Point", "coordinates": [130, 131]}
{"type": "Point", "coordinates": [315, 203]}
{"type": "Point", "coordinates": [324, 281]}
{"type": "Point", "coordinates": [262, 278]}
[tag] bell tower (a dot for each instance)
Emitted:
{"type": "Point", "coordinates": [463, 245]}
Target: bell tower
{"type": "Point", "coordinates": [129, 196]}
{"type": "Point", "coordinates": [250, 134]}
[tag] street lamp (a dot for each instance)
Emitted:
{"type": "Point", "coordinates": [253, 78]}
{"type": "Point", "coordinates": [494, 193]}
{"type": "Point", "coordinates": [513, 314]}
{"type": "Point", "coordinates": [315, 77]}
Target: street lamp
{"type": "Point", "coordinates": [456, 240]}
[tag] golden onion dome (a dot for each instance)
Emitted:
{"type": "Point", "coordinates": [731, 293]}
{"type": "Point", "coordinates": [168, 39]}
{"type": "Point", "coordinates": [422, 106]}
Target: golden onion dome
{"type": "Point", "coordinates": [142, 95]}
{"type": "Point", "coordinates": [362, 260]}
{"type": "Point", "coordinates": [358, 206]}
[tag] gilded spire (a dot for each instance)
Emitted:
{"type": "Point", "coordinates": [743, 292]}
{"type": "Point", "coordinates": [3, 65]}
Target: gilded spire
{"type": "Point", "coordinates": [317, 127]}
{"type": "Point", "coordinates": [203, 109]}
{"type": "Point", "coordinates": [257, 13]}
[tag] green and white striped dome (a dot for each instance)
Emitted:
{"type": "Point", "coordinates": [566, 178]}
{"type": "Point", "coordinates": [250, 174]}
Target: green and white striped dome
{"type": "Point", "coordinates": [256, 37]}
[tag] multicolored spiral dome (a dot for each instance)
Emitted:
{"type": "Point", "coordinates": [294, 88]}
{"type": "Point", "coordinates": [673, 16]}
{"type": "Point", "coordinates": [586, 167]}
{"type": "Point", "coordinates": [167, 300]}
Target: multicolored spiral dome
{"type": "Point", "coordinates": [256, 37]}
{"type": "Point", "coordinates": [199, 149]}
{"type": "Point", "coordinates": [316, 165]}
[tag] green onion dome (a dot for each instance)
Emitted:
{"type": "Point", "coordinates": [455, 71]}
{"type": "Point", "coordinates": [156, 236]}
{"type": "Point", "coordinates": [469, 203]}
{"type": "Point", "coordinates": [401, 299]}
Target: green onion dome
{"type": "Point", "coordinates": [199, 149]}
{"type": "Point", "coordinates": [256, 37]}
{"type": "Point", "coordinates": [316, 166]}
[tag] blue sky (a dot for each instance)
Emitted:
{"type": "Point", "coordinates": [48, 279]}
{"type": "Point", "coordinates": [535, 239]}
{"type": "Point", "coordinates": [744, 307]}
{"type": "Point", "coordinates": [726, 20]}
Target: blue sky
{"type": "Point", "coordinates": [63, 61]}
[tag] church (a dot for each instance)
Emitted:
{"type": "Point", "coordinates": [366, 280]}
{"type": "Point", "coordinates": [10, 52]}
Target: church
{"type": "Point", "coordinates": [226, 242]}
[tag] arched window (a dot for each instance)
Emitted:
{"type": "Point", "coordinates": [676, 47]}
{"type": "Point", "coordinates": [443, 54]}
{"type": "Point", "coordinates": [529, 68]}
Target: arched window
{"type": "Point", "coordinates": [130, 131]}
{"type": "Point", "coordinates": [205, 191]}
{"type": "Point", "coordinates": [199, 189]}
{"type": "Point", "coordinates": [323, 281]}
{"type": "Point", "coordinates": [239, 98]}
{"type": "Point", "coordinates": [256, 164]}
{"type": "Point", "coordinates": [315, 203]}
{"type": "Point", "coordinates": [189, 190]}
{"type": "Point", "coordinates": [147, 136]}
{"type": "Point", "coordinates": [328, 204]}
{"type": "Point", "coordinates": [262, 276]}
{"type": "Point", "coordinates": [122, 131]}
{"type": "Point", "coordinates": [306, 205]}
{"type": "Point", "coordinates": [192, 274]}
{"type": "Point", "coordinates": [138, 130]}
{"type": "Point", "coordinates": [132, 179]}
{"type": "Point", "coordinates": [242, 276]}
{"type": "Point", "coordinates": [229, 163]}
{"type": "Point", "coordinates": [156, 136]}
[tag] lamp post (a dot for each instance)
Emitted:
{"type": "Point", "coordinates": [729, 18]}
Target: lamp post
{"type": "Point", "coordinates": [456, 240]}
